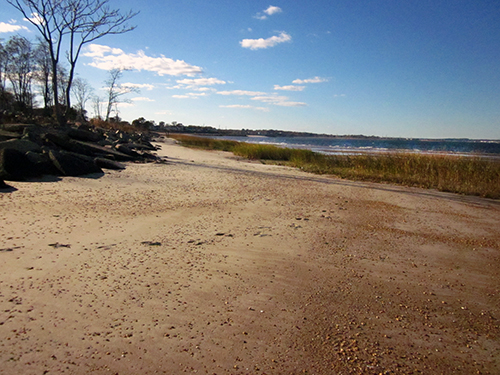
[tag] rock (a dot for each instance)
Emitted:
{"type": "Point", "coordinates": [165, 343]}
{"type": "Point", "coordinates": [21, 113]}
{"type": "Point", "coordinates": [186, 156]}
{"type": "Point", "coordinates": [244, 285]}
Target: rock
{"type": "Point", "coordinates": [15, 166]}
{"type": "Point", "coordinates": [42, 163]}
{"type": "Point", "coordinates": [71, 164]}
{"type": "Point", "coordinates": [108, 164]}
{"type": "Point", "coordinates": [6, 135]}
{"type": "Point", "coordinates": [141, 146]}
{"type": "Point", "coordinates": [21, 145]}
{"type": "Point", "coordinates": [84, 135]}
{"type": "Point", "coordinates": [17, 128]}
{"type": "Point", "coordinates": [149, 157]}
{"type": "Point", "coordinates": [58, 140]}
{"type": "Point", "coordinates": [123, 148]}
{"type": "Point", "coordinates": [96, 150]}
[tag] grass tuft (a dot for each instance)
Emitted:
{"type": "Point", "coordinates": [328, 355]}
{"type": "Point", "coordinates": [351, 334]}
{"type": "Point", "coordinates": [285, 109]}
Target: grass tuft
{"type": "Point", "coordinates": [456, 174]}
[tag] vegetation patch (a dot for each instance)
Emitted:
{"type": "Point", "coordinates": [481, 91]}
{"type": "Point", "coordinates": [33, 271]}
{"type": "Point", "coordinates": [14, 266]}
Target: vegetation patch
{"type": "Point", "coordinates": [456, 174]}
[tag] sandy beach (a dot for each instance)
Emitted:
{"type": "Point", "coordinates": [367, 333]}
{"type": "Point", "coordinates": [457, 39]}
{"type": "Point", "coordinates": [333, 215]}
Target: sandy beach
{"type": "Point", "coordinates": [211, 264]}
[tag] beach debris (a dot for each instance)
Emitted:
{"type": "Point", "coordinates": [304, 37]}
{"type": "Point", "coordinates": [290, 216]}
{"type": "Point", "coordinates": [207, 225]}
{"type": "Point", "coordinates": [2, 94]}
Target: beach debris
{"type": "Point", "coordinates": [8, 249]}
{"type": "Point", "coordinates": [151, 243]}
{"type": "Point", "coordinates": [58, 245]}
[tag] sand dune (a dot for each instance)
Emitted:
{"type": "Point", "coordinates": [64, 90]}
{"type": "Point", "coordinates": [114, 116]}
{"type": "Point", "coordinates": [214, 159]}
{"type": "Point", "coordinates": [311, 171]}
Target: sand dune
{"type": "Point", "coordinates": [213, 265]}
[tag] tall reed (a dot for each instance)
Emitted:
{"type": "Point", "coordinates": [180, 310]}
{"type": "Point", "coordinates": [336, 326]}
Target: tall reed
{"type": "Point", "coordinates": [457, 174]}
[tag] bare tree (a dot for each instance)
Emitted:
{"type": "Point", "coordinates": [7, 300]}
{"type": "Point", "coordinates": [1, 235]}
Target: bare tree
{"type": "Point", "coordinates": [20, 69]}
{"type": "Point", "coordinates": [78, 21]}
{"type": "Point", "coordinates": [43, 73]}
{"type": "Point", "coordinates": [96, 104]}
{"type": "Point", "coordinates": [115, 90]}
{"type": "Point", "coordinates": [82, 92]}
{"type": "Point", "coordinates": [4, 60]}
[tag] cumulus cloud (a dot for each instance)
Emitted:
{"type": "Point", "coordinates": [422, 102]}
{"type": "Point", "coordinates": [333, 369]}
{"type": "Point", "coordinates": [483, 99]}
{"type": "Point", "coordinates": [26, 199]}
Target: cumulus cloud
{"type": "Point", "coordinates": [190, 95]}
{"type": "Point", "coordinates": [260, 43]}
{"type": "Point", "coordinates": [289, 88]}
{"type": "Point", "coordinates": [35, 19]}
{"type": "Point", "coordinates": [245, 106]}
{"type": "Point", "coordinates": [268, 12]}
{"type": "Point", "coordinates": [282, 101]}
{"type": "Point", "coordinates": [310, 80]}
{"type": "Point", "coordinates": [139, 86]}
{"type": "Point", "coordinates": [241, 93]}
{"type": "Point", "coordinates": [125, 104]}
{"type": "Point", "coordinates": [10, 27]}
{"type": "Point", "coordinates": [272, 10]}
{"type": "Point", "coordinates": [201, 82]}
{"type": "Point", "coordinates": [142, 99]}
{"type": "Point", "coordinates": [107, 58]}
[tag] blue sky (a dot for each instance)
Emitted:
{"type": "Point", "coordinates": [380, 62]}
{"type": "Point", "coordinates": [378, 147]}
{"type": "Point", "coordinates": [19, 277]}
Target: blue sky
{"type": "Point", "coordinates": [399, 68]}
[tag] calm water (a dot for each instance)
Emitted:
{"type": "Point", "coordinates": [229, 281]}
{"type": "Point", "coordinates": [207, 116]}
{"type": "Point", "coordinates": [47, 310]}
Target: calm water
{"type": "Point", "coordinates": [358, 146]}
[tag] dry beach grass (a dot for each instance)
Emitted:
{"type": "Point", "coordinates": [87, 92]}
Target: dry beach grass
{"type": "Point", "coordinates": [214, 264]}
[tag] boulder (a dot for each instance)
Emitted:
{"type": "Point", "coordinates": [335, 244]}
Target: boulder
{"type": "Point", "coordinates": [96, 150]}
{"type": "Point", "coordinates": [58, 140]}
{"type": "Point", "coordinates": [42, 163]}
{"type": "Point", "coordinates": [108, 164]}
{"type": "Point", "coordinates": [123, 148]}
{"type": "Point", "coordinates": [15, 166]}
{"type": "Point", "coordinates": [21, 145]}
{"type": "Point", "coordinates": [84, 135]}
{"type": "Point", "coordinates": [6, 135]}
{"type": "Point", "coordinates": [71, 164]}
{"type": "Point", "coordinates": [17, 128]}
{"type": "Point", "coordinates": [141, 146]}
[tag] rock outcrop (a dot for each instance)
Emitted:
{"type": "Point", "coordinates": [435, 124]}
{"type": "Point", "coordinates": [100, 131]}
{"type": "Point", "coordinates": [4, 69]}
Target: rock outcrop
{"type": "Point", "coordinates": [28, 151]}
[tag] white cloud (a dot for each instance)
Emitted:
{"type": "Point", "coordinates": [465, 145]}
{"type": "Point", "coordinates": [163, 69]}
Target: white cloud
{"type": "Point", "coordinates": [201, 82]}
{"type": "Point", "coordinates": [203, 89]}
{"type": "Point", "coordinates": [254, 44]}
{"type": "Point", "coordinates": [142, 99]}
{"type": "Point", "coordinates": [146, 86]}
{"type": "Point", "coordinates": [107, 58]}
{"type": "Point", "coordinates": [241, 92]}
{"type": "Point", "coordinates": [282, 101]}
{"type": "Point", "coordinates": [125, 104]}
{"type": "Point", "coordinates": [245, 106]}
{"type": "Point", "coordinates": [190, 95]}
{"type": "Point", "coordinates": [272, 10]}
{"type": "Point", "coordinates": [269, 11]}
{"type": "Point", "coordinates": [289, 88]}
{"type": "Point", "coordinates": [10, 28]}
{"type": "Point", "coordinates": [36, 19]}
{"type": "Point", "coordinates": [310, 80]}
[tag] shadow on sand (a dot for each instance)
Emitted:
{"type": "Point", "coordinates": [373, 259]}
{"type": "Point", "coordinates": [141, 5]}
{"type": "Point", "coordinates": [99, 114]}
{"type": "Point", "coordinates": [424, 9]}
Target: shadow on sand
{"type": "Point", "coordinates": [7, 188]}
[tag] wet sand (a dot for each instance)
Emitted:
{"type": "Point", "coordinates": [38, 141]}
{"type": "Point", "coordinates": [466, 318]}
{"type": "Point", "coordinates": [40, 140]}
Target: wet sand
{"type": "Point", "coordinates": [215, 265]}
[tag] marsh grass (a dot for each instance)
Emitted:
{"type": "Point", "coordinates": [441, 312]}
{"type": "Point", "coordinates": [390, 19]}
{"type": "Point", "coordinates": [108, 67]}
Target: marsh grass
{"type": "Point", "coordinates": [205, 143]}
{"type": "Point", "coordinates": [457, 174]}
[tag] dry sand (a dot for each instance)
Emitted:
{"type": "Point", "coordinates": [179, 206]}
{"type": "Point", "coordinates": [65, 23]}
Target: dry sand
{"type": "Point", "coordinates": [213, 265]}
